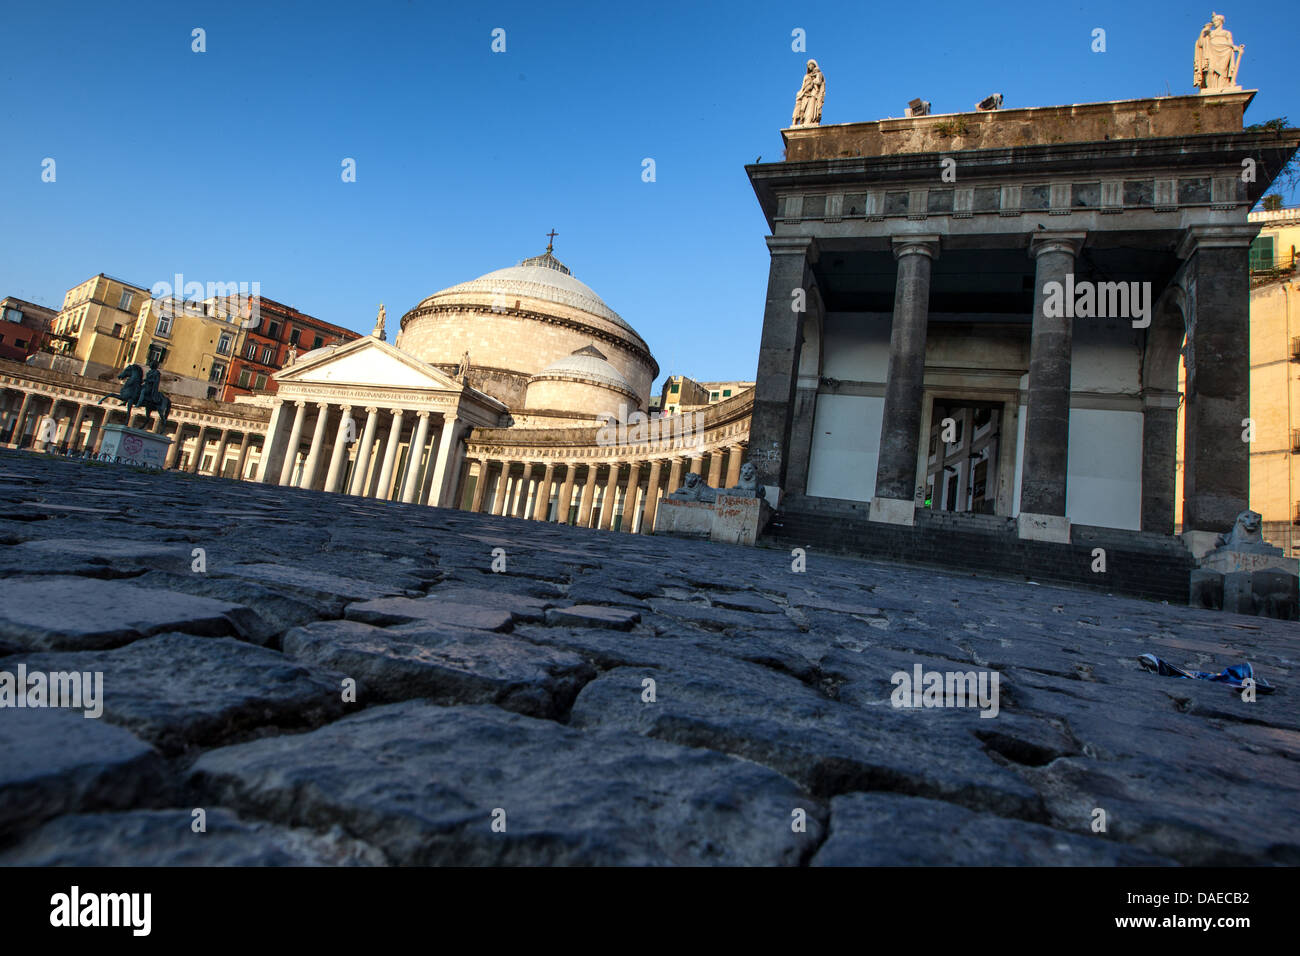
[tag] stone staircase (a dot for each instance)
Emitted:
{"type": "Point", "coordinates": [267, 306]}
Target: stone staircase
{"type": "Point", "coordinates": [1138, 564]}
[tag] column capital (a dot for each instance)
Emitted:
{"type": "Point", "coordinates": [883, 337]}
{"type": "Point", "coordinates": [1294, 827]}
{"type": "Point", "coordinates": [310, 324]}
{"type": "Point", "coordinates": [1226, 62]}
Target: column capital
{"type": "Point", "coordinates": [1195, 238]}
{"type": "Point", "coordinates": [397, 412]}
{"type": "Point", "coordinates": [450, 418]}
{"type": "Point", "coordinates": [805, 246]}
{"type": "Point", "coordinates": [300, 403]}
{"type": "Point", "coordinates": [372, 410]}
{"type": "Point", "coordinates": [323, 406]}
{"type": "Point", "coordinates": [1041, 242]}
{"type": "Point", "coordinates": [422, 414]}
{"type": "Point", "coordinates": [346, 409]}
{"type": "Point", "coordinates": [919, 245]}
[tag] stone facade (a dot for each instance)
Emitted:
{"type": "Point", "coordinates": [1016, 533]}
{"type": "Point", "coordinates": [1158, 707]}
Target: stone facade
{"type": "Point", "coordinates": [924, 252]}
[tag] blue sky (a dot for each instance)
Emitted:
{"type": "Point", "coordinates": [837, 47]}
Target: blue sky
{"type": "Point", "coordinates": [225, 165]}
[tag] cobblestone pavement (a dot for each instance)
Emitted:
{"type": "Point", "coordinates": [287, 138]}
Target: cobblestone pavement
{"type": "Point", "coordinates": [508, 717]}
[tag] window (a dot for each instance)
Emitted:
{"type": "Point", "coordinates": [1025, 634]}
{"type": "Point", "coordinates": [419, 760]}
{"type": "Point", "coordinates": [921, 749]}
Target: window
{"type": "Point", "coordinates": [244, 376]}
{"type": "Point", "coordinates": [318, 342]}
{"type": "Point", "coordinates": [726, 393]}
{"type": "Point", "coordinates": [1261, 254]}
{"type": "Point", "coordinates": [124, 303]}
{"type": "Point", "coordinates": [259, 383]}
{"type": "Point", "coordinates": [13, 315]}
{"type": "Point", "coordinates": [157, 354]}
{"type": "Point", "coordinates": [224, 342]}
{"type": "Point", "coordinates": [164, 326]}
{"type": "Point", "coordinates": [273, 330]}
{"type": "Point", "coordinates": [212, 394]}
{"type": "Point", "coordinates": [218, 372]}
{"type": "Point", "coordinates": [713, 395]}
{"type": "Point", "coordinates": [117, 330]}
{"type": "Point", "coordinates": [250, 351]}
{"type": "Point", "coordinates": [294, 335]}
{"type": "Point", "coordinates": [268, 355]}
{"type": "Point", "coordinates": [21, 343]}
{"type": "Point", "coordinates": [675, 389]}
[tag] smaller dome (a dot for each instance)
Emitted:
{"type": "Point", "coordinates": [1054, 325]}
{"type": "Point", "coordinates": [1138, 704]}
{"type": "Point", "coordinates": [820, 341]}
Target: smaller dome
{"type": "Point", "coordinates": [586, 364]}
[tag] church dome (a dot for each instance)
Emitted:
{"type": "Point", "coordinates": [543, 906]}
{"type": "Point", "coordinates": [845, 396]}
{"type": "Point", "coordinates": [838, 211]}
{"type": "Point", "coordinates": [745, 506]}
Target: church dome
{"type": "Point", "coordinates": [533, 320]}
{"type": "Point", "coordinates": [541, 277]}
{"type": "Point", "coordinates": [586, 364]}
{"type": "Point", "coordinates": [582, 383]}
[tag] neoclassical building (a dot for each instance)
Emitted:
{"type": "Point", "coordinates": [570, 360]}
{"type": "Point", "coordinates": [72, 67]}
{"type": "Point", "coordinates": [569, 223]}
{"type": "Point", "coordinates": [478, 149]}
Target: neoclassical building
{"type": "Point", "coordinates": [517, 393]}
{"type": "Point", "coordinates": [989, 312]}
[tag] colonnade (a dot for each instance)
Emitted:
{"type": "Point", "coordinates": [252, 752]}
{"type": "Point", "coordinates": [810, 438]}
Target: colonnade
{"type": "Point", "coordinates": [620, 495]}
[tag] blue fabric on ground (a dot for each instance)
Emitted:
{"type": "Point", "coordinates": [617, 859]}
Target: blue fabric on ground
{"type": "Point", "coordinates": [1234, 676]}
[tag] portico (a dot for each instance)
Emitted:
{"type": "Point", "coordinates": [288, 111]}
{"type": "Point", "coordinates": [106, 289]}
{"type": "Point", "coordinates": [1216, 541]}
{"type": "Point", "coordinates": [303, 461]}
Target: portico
{"type": "Point", "coordinates": [368, 419]}
{"type": "Point", "coordinates": [915, 353]}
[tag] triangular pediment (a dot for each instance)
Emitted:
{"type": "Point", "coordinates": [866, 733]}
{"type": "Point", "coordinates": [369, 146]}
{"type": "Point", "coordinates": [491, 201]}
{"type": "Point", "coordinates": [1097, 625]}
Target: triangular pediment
{"type": "Point", "coordinates": [369, 362]}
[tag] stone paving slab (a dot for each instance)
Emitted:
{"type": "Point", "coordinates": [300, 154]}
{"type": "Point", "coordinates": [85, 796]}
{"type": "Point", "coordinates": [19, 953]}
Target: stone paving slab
{"type": "Point", "coordinates": [425, 783]}
{"type": "Point", "coordinates": [168, 838]}
{"type": "Point", "coordinates": [180, 692]}
{"type": "Point", "coordinates": [525, 689]}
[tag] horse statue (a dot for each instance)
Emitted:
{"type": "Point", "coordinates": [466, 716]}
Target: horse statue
{"type": "Point", "coordinates": [141, 388]}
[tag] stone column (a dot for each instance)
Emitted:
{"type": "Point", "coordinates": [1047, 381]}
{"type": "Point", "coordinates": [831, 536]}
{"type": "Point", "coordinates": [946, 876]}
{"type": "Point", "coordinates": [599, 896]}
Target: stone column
{"type": "Point", "coordinates": [174, 452]}
{"type": "Point", "coordinates": [450, 450]}
{"type": "Point", "coordinates": [790, 287]}
{"type": "Point", "coordinates": [1216, 469]}
{"type": "Point", "coordinates": [520, 500]}
{"type": "Point", "coordinates": [222, 445]}
{"type": "Point", "coordinates": [241, 463]}
{"type": "Point", "coordinates": [629, 503]}
{"type": "Point", "coordinates": [277, 434]}
{"type": "Point", "coordinates": [16, 438]}
{"type": "Point", "coordinates": [611, 497]}
{"type": "Point", "coordinates": [715, 468]}
{"type": "Point", "coordinates": [503, 485]}
{"type": "Point", "coordinates": [1047, 419]}
{"type": "Point", "coordinates": [735, 458]}
{"type": "Point", "coordinates": [697, 465]}
{"type": "Point", "coordinates": [390, 454]}
{"type": "Point", "coordinates": [414, 457]}
{"type": "Point", "coordinates": [588, 496]}
{"type": "Point", "coordinates": [652, 496]}
{"type": "Point", "coordinates": [900, 426]}
{"type": "Point", "coordinates": [93, 434]}
{"type": "Point", "coordinates": [317, 449]}
{"type": "Point", "coordinates": [361, 471]}
{"type": "Point", "coordinates": [544, 493]}
{"type": "Point", "coordinates": [295, 439]}
{"type": "Point", "coordinates": [480, 487]}
{"type": "Point", "coordinates": [339, 455]}
{"type": "Point", "coordinates": [674, 476]}
{"type": "Point", "coordinates": [74, 430]}
{"type": "Point", "coordinates": [1159, 457]}
{"type": "Point", "coordinates": [47, 425]}
{"type": "Point", "coordinates": [200, 442]}
{"type": "Point", "coordinates": [566, 493]}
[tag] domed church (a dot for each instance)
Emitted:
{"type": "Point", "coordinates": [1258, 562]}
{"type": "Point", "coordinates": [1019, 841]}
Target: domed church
{"type": "Point", "coordinates": [497, 395]}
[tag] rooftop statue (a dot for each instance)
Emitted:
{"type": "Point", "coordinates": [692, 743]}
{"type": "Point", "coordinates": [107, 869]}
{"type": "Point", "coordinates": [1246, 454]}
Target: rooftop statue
{"type": "Point", "coordinates": [808, 104]}
{"type": "Point", "coordinates": [141, 388]}
{"type": "Point", "coordinates": [1213, 65]}
{"type": "Point", "coordinates": [379, 324]}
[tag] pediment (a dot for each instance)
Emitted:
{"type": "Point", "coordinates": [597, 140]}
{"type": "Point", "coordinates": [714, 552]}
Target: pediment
{"type": "Point", "coordinates": [369, 362]}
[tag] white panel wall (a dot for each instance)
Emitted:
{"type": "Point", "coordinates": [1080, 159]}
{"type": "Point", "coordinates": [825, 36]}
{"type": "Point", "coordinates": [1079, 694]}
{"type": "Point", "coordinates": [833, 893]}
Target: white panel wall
{"type": "Point", "coordinates": [1104, 483]}
{"type": "Point", "coordinates": [856, 347]}
{"type": "Point", "coordinates": [845, 447]}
